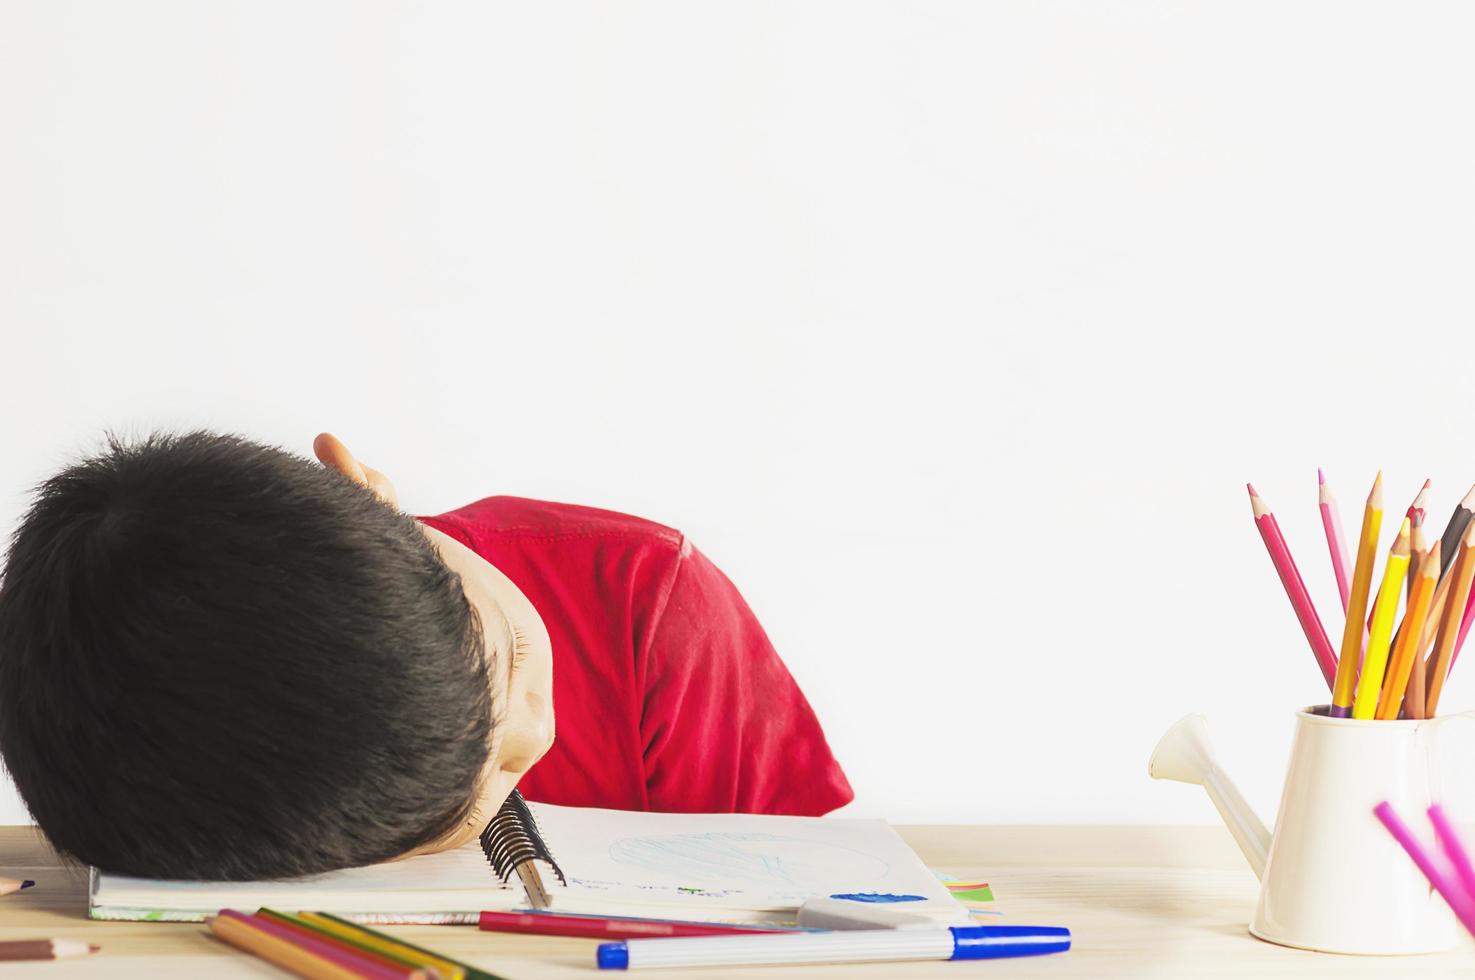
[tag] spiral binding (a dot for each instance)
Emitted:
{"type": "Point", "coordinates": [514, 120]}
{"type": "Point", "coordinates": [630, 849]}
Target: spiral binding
{"type": "Point", "coordinates": [512, 838]}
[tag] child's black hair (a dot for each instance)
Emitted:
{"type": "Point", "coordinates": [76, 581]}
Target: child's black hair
{"type": "Point", "coordinates": [222, 661]}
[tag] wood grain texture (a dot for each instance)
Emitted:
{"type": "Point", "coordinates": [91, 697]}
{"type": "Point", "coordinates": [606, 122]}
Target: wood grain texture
{"type": "Point", "coordinates": [1140, 902]}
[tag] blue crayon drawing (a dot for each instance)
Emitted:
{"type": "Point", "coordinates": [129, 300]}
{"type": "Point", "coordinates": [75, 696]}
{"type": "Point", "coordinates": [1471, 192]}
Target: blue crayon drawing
{"type": "Point", "coordinates": [755, 860]}
{"type": "Point", "coordinates": [878, 897]}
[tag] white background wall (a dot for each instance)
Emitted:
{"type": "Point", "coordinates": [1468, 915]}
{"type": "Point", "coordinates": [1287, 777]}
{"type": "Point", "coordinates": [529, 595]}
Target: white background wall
{"type": "Point", "coordinates": [950, 330]}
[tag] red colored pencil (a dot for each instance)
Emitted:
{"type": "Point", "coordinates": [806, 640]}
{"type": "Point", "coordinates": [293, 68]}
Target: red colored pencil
{"type": "Point", "coordinates": [315, 950]}
{"type": "Point", "coordinates": [599, 927]}
{"type": "Point", "coordinates": [1336, 542]}
{"type": "Point", "coordinates": [1290, 578]}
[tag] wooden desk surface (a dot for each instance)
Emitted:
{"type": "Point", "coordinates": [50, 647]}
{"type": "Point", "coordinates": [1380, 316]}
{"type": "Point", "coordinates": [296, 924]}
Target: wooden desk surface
{"type": "Point", "coordinates": [1140, 902]}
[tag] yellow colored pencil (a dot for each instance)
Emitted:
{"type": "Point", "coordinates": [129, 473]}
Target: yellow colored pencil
{"type": "Point", "coordinates": [1449, 624]}
{"type": "Point", "coordinates": [1362, 577]}
{"type": "Point", "coordinates": [1405, 653]}
{"type": "Point", "coordinates": [1375, 661]}
{"type": "Point", "coordinates": [378, 941]}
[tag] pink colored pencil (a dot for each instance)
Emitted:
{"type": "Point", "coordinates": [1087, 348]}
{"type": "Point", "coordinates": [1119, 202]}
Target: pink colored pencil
{"type": "Point", "coordinates": [1454, 848]}
{"type": "Point", "coordinates": [1290, 578]}
{"type": "Point", "coordinates": [1336, 541]}
{"type": "Point", "coordinates": [1464, 628]}
{"type": "Point", "coordinates": [1460, 902]}
{"type": "Point", "coordinates": [361, 966]}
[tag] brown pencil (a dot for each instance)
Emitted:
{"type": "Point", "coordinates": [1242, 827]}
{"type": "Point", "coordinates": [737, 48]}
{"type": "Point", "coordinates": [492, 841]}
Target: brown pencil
{"type": "Point", "coordinates": [1455, 530]}
{"type": "Point", "coordinates": [8, 885]}
{"type": "Point", "coordinates": [43, 949]}
{"type": "Point", "coordinates": [1449, 623]}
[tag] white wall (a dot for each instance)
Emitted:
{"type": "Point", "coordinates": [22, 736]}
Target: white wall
{"type": "Point", "coordinates": [950, 330]}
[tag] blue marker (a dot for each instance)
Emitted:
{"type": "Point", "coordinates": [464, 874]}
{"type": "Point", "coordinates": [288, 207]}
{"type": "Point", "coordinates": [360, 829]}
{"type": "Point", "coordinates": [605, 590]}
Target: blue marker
{"type": "Point", "coordinates": [880, 945]}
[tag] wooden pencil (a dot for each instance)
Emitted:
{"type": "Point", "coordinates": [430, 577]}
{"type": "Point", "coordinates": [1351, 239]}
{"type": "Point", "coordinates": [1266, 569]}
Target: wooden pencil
{"type": "Point", "coordinates": [1415, 514]}
{"type": "Point", "coordinates": [301, 955]}
{"type": "Point", "coordinates": [1449, 623]}
{"type": "Point", "coordinates": [1418, 547]}
{"type": "Point", "coordinates": [44, 949]}
{"type": "Point", "coordinates": [1459, 521]}
{"type": "Point", "coordinates": [9, 885]}
{"type": "Point", "coordinates": [1336, 541]}
{"type": "Point", "coordinates": [1375, 661]}
{"type": "Point", "coordinates": [1390, 701]}
{"type": "Point", "coordinates": [305, 929]}
{"type": "Point", "coordinates": [1362, 576]}
{"type": "Point", "coordinates": [1295, 588]}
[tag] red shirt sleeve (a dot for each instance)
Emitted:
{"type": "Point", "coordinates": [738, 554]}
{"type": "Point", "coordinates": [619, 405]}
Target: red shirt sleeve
{"type": "Point", "coordinates": [725, 727]}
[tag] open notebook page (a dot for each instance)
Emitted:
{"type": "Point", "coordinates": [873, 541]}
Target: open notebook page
{"type": "Point", "coordinates": [734, 867]}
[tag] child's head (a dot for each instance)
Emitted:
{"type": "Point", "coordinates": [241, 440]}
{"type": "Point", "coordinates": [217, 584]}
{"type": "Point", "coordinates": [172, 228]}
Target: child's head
{"type": "Point", "coordinates": [220, 660]}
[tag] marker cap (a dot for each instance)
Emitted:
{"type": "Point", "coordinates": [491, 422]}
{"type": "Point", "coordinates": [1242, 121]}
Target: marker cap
{"type": "Point", "coordinates": [994, 942]}
{"type": "Point", "coordinates": [613, 956]}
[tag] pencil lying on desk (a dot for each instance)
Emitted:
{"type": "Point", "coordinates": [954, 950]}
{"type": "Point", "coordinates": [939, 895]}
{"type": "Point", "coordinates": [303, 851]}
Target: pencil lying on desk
{"type": "Point", "coordinates": [302, 955]}
{"type": "Point", "coordinates": [1290, 579]}
{"type": "Point", "coordinates": [44, 949]}
{"type": "Point", "coordinates": [1362, 576]}
{"type": "Point", "coordinates": [9, 885]}
{"type": "Point", "coordinates": [1375, 662]}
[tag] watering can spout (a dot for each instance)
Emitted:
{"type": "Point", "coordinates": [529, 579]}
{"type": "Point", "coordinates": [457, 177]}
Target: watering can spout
{"type": "Point", "coordinates": [1186, 755]}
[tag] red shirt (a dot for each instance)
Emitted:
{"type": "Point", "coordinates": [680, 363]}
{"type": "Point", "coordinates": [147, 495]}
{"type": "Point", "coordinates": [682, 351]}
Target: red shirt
{"type": "Point", "coordinates": [669, 695]}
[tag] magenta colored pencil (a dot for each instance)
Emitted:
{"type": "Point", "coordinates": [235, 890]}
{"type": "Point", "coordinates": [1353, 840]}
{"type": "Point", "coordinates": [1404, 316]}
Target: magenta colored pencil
{"type": "Point", "coordinates": [1459, 901]}
{"type": "Point", "coordinates": [1454, 848]}
{"type": "Point", "coordinates": [1290, 578]}
{"type": "Point", "coordinates": [361, 965]}
{"type": "Point", "coordinates": [1464, 629]}
{"type": "Point", "coordinates": [1336, 541]}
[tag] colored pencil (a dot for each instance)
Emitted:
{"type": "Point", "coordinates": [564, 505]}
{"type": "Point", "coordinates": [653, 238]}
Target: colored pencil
{"type": "Point", "coordinates": [344, 929]}
{"type": "Point", "coordinates": [44, 949]}
{"type": "Point", "coordinates": [600, 927]}
{"type": "Point", "coordinates": [306, 929]}
{"type": "Point", "coordinates": [1415, 515]}
{"type": "Point", "coordinates": [1454, 848]}
{"type": "Point", "coordinates": [1362, 576]}
{"type": "Point", "coordinates": [1404, 654]}
{"type": "Point", "coordinates": [1336, 541]}
{"type": "Point", "coordinates": [1464, 629]}
{"type": "Point", "coordinates": [1375, 661]}
{"type": "Point", "coordinates": [1418, 548]}
{"type": "Point", "coordinates": [1290, 578]}
{"type": "Point", "coordinates": [1441, 660]}
{"type": "Point", "coordinates": [326, 959]}
{"type": "Point", "coordinates": [9, 885]}
{"type": "Point", "coordinates": [1455, 529]}
{"type": "Point", "coordinates": [1459, 901]}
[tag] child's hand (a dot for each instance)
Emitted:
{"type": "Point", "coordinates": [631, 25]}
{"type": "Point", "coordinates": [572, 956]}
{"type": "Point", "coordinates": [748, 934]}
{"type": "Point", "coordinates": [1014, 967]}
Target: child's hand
{"type": "Point", "coordinates": [335, 454]}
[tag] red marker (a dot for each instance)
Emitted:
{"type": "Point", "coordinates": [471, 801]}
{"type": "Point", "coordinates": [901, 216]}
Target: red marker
{"type": "Point", "coordinates": [600, 927]}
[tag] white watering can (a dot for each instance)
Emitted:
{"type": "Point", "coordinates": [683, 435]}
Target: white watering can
{"type": "Point", "coordinates": [1331, 877]}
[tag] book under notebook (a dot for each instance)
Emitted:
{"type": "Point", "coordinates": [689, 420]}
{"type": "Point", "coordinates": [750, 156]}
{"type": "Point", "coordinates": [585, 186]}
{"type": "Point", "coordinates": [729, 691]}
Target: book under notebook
{"type": "Point", "coordinates": [706, 867]}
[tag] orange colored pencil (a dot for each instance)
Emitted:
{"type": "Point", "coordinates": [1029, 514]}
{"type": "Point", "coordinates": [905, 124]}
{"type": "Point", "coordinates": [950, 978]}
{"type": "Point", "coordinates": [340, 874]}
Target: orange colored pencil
{"type": "Point", "coordinates": [1449, 624]}
{"type": "Point", "coordinates": [1395, 682]}
{"type": "Point", "coordinates": [1343, 688]}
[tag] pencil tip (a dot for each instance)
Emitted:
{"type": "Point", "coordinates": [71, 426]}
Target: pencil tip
{"type": "Point", "coordinates": [28, 883]}
{"type": "Point", "coordinates": [1320, 476]}
{"type": "Point", "coordinates": [93, 947]}
{"type": "Point", "coordinates": [1427, 482]}
{"type": "Point", "coordinates": [1251, 488]}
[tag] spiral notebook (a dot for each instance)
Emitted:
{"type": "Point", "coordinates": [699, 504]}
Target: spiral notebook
{"type": "Point", "coordinates": [712, 867]}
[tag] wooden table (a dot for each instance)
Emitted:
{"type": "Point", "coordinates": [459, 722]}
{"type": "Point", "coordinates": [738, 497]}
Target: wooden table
{"type": "Point", "coordinates": [1140, 901]}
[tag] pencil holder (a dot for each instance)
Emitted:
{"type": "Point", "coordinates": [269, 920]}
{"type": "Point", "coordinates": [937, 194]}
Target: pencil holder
{"type": "Point", "coordinates": [1331, 878]}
